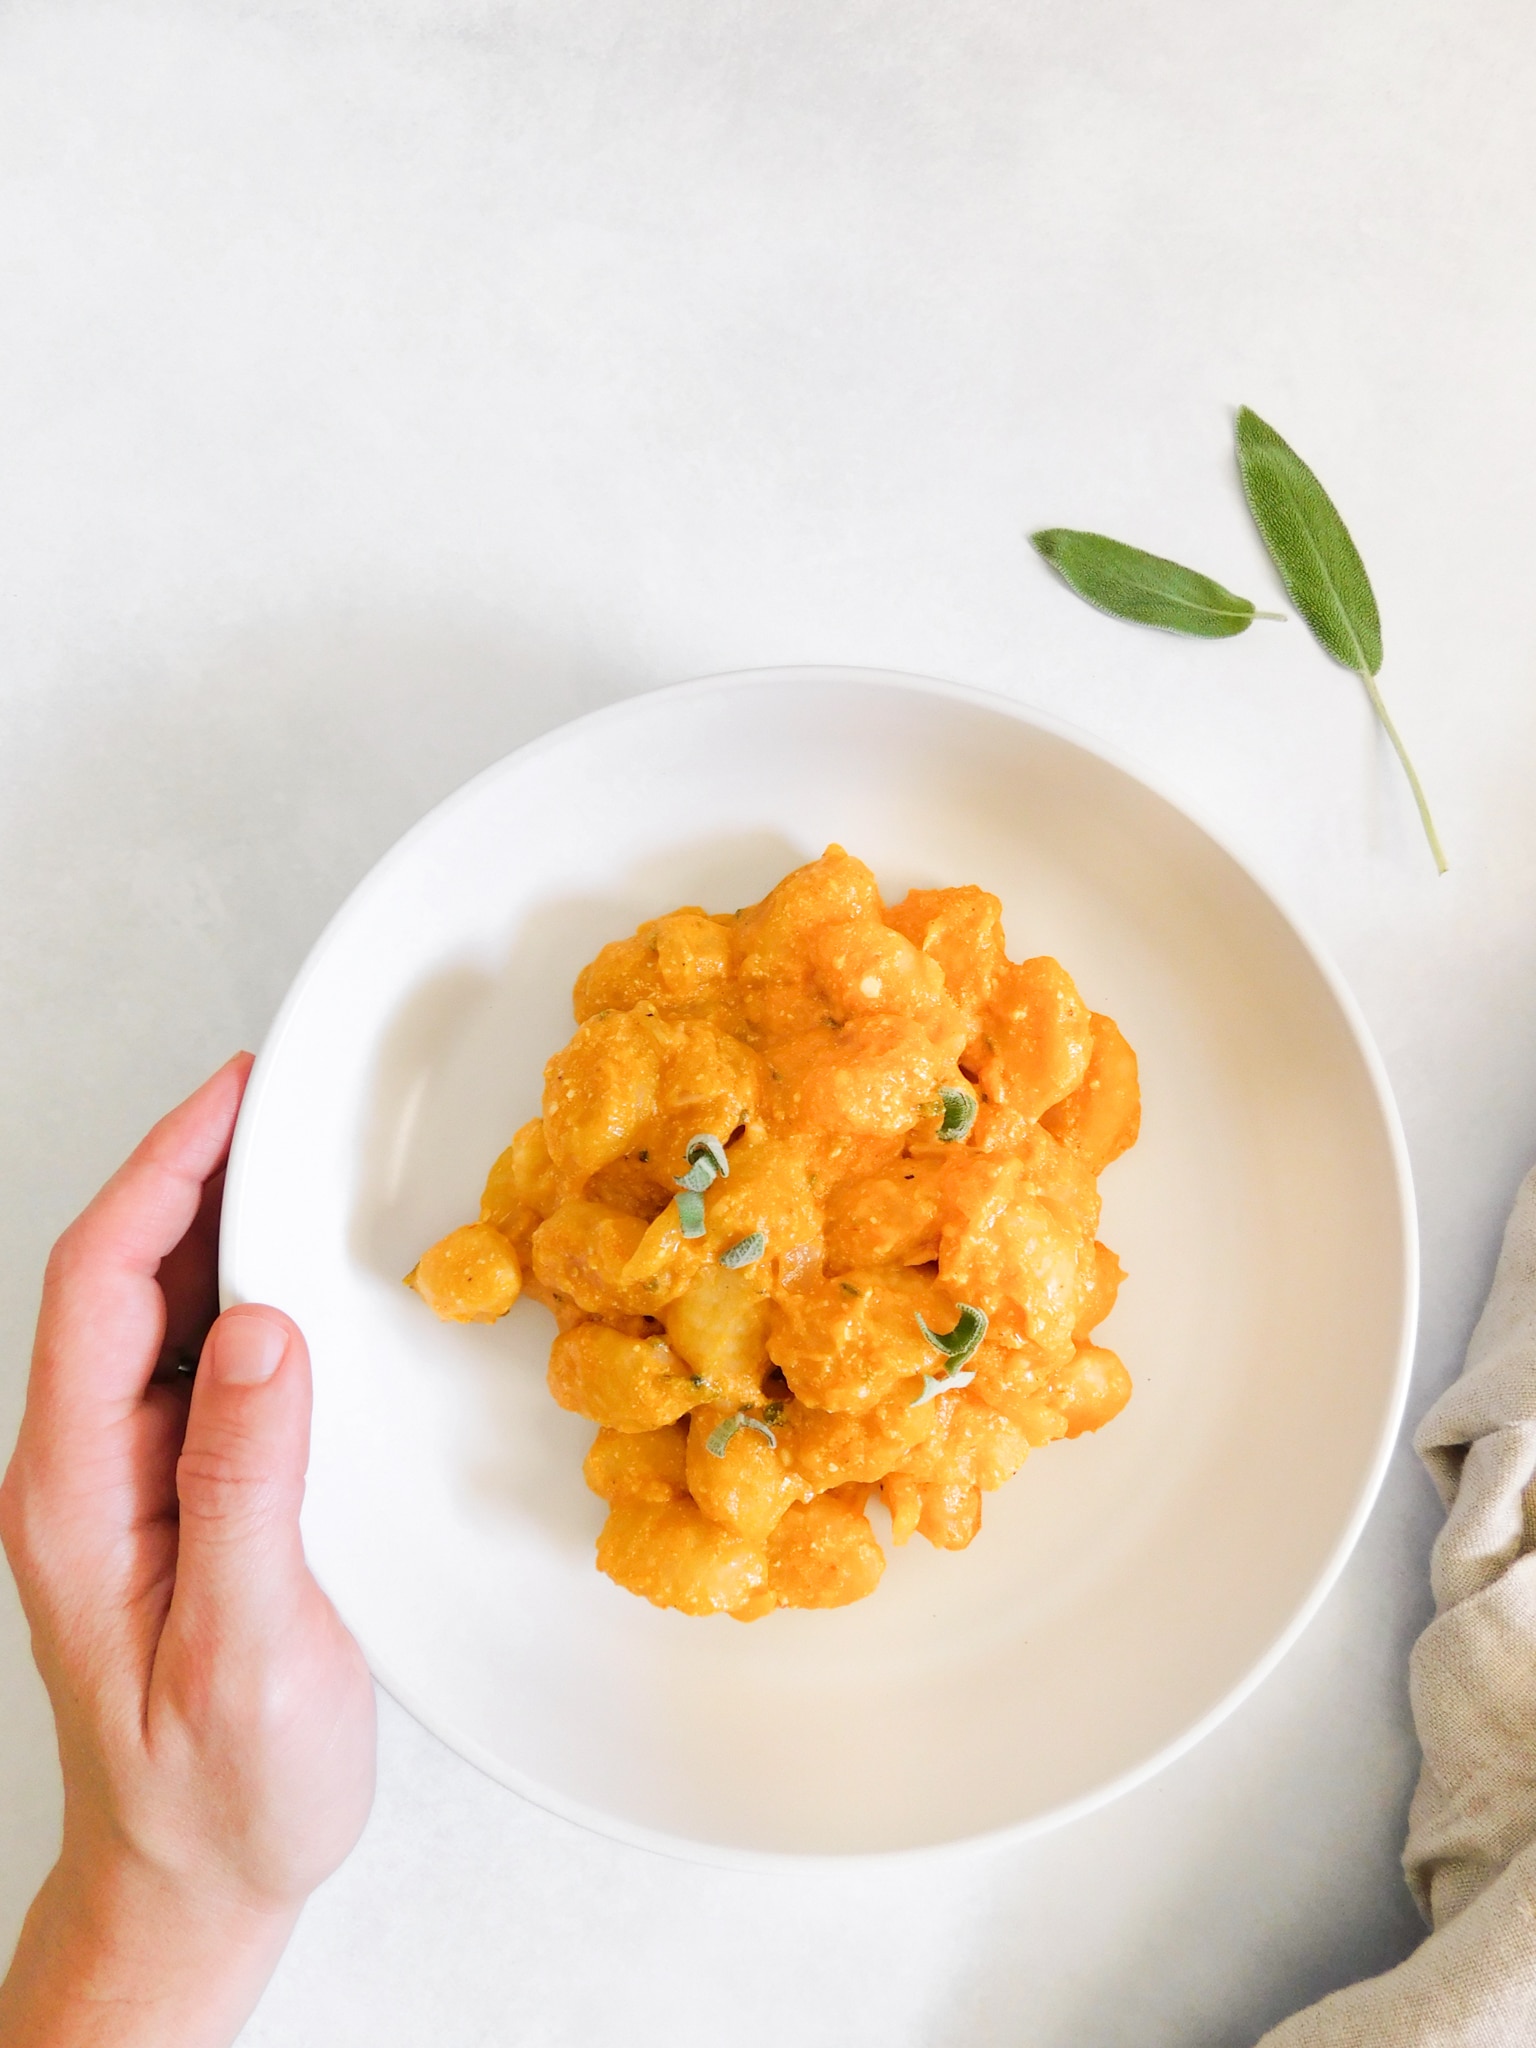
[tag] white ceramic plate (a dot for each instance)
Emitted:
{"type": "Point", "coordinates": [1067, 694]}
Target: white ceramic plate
{"type": "Point", "coordinates": [1127, 1588]}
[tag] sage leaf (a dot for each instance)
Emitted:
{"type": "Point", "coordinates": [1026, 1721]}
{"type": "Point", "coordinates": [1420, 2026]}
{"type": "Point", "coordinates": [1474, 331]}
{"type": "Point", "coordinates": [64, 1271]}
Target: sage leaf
{"type": "Point", "coordinates": [705, 1147]}
{"type": "Point", "coordinates": [958, 1107]}
{"type": "Point", "coordinates": [746, 1251]}
{"type": "Point", "coordinates": [700, 1175]}
{"type": "Point", "coordinates": [959, 1344]}
{"type": "Point", "coordinates": [721, 1435]}
{"type": "Point", "coordinates": [1320, 566]}
{"type": "Point", "coordinates": [1130, 584]}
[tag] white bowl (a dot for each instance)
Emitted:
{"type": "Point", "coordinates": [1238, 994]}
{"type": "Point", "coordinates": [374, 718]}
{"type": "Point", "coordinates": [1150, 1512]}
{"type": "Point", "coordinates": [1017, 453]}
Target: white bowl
{"type": "Point", "coordinates": [1127, 1588]}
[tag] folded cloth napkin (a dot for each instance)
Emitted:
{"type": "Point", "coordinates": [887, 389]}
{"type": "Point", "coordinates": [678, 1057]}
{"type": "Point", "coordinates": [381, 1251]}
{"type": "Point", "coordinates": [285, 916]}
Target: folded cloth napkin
{"type": "Point", "coordinates": [1470, 1858]}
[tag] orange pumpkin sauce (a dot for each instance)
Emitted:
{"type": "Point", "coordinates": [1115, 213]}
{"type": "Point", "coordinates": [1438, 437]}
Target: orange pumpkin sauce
{"type": "Point", "coordinates": [912, 1126]}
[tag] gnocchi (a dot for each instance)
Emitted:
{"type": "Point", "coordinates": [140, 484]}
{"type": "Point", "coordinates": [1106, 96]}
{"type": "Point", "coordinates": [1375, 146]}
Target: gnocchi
{"type": "Point", "coordinates": [813, 1199]}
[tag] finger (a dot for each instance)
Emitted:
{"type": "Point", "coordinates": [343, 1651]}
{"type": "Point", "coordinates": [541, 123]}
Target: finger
{"type": "Point", "coordinates": [103, 1314]}
{"type": "Point", "coordinates": [240, 1481]}
{"type": "Point", "coordinates": [189, 1281]}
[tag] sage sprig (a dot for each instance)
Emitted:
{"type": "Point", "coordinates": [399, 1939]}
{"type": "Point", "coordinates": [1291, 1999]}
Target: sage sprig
{"type": "Point", "coordinates": [1128, 583]}
{"type": "Point", "coordinates": [1320, 566]}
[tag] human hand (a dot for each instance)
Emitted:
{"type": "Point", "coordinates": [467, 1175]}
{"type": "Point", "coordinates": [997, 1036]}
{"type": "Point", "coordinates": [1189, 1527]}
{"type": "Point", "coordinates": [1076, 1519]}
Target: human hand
{"type": "Point", "coordinates": [215, 1719]}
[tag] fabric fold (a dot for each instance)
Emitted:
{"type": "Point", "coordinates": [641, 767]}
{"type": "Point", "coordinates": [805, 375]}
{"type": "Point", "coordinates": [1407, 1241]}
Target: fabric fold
{"type": "Point", "coordinates": [1470, 1858]}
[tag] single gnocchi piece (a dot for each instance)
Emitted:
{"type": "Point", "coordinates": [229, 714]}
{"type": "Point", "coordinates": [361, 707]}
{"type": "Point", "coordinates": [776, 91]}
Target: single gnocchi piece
{"type": "Point", "coordinates": [1103, 1289]}
{"type": "Point", "coordinates": [1017, 1382]}
{"type": "Point", "coordinates": [582, 1251]}
{"type": "Point", "coordinates": [719, 1327]}
{"type": "Point", "coordinates": [470, 1276]}
{"type": "Point", "coordinates": [680, 964]}
{"type": "Point", "coordinates": [1036, 1037]}
{"type": "Point", "coordinates": [868, 1078]}
{"type": "Point", "coordinates": [950, 1516]}
{"type": "Point", "coordinates": [829, 1449]}
{"type": "Point", "coordinates": [886, 1219]}
{"type": "Point", "coordinates": [744, 1483]}
{"type": "Point", "coordinates": [647, 1465]}
{"type": "Point", "coordinates": [1001, 1246]}
{"type": "Point", "coordinates": [623, 1382]}
{"type": "Point", "coordinates": [864, 969]}
{"type": "Point", "coordinates": [1092, 1390]}
{"type": "Point", "coordinates": [673, 1555]}
{"type": "Point", "coordinates": [848, 1342]}
{"type": "Point", "coordinates": [962, 931]}
{"type": "Point", "coordinates": [971, 1445]}
{"type": "Point", "coordinates": [523, 1177]}
{"type": "Point", "coordinates": [1101, 1118]}
{"type": "Point", "coordinates": [823, 1554]}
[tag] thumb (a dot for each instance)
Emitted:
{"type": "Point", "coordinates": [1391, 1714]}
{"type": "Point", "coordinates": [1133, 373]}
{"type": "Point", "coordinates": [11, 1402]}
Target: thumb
{"type": "Point", "coordinates": [240, 1477]}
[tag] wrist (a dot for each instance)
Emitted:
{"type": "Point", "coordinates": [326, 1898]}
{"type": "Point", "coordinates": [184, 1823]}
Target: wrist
{"type": "Point", "coordinates": [116, 1953]}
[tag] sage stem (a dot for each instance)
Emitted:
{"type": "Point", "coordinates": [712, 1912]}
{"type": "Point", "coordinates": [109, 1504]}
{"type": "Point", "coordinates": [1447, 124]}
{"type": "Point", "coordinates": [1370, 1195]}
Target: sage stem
{"type": "Point", "coordinates": [1379, 707]}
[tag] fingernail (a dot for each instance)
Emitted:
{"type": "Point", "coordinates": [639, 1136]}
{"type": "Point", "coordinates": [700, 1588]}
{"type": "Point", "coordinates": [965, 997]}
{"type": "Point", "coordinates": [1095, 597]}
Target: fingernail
{"type": "Point", "coordinates": [247, 1349]}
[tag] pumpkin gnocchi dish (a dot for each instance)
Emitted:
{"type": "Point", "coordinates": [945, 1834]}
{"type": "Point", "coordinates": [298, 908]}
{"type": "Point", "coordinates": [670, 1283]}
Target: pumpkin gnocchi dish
{"type": "Point", "coordinates": [813, 1202]}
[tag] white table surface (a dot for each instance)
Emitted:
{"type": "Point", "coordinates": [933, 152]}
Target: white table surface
{"type": "Point", "coordinates": [383, 381]}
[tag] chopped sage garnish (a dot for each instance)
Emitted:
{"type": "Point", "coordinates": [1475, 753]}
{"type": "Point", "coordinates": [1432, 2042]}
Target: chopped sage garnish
{"type": "Point", "coordinates": [690, 1213]}
{"type": "Point", "coordinates": [941, 1383]}
{"type": "Point", "coordinates": [706, 1164]}
{"type": "Point", "coordinates": [706, 1147]}
{"type": "Point", "coordinates": [721, 1435]}
{"type": "Point", "coordinates": [715, 1443]}
{"type": "Point", "coordinates": [774, 1412]}
{"type": "Point", "coordinates": [959, 1106]}
{"type": "Point", "coordinates": [746, 1251]}
{"type": "Point", "coordinates": [958, 1344]}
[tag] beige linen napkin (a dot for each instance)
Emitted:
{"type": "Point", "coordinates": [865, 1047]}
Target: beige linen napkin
{"type": "Point", "coordinates": [1471, 1851]}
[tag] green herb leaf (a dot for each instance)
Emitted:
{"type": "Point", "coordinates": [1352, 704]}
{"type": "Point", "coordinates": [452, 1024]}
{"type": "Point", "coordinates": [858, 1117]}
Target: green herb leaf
{"type": "Point", "coordinates": [690, 1213]}
{"type": "Point", "coordinates": [774, 1412]}
{"type": "Point", "coordinates": [721, 1435]}
{"type": "Point", "coordinates": [1320, 566]}
{"type": "Point", "coordinates": [940, 1383]}
{"type": "Point", "coordinates": [715, 1443]}
{"type": "Point", "coordinates": [706, 1147]}
{"type": "Point", "coordinates": [700, 1175]}
{"type": "Point", "coordinates": [1318, 562]}
{"type": "Point", "coordinates": [1130, 584]}
{"type": "Point", "coordinates": [959, 1106]}
{"type": "Point", "coordinates": [745, 1251]}
{"type": "Point", "coordinates": [959, 1344]}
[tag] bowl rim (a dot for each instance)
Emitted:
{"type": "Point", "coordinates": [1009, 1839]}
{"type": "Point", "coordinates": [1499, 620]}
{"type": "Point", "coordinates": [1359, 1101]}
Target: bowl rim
{"type": "Point", "coordinates": [638, 704]}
